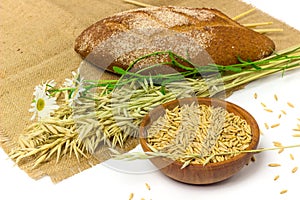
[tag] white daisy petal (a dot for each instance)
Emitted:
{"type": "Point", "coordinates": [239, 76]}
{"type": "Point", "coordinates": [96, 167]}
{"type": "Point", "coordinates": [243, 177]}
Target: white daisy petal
{"type": "Point", "coordinates": [77, 85]}
{"type": "Point", "coordinates": [51, 83]}
{"type": "Point", "coordinates": [43, 105]}
{"type": "Point", "coordinates": [69, 83]}
{"type": "Point", "coordinates": [33, 116]}
{"type": "Point", "coordinates": [75, 73]}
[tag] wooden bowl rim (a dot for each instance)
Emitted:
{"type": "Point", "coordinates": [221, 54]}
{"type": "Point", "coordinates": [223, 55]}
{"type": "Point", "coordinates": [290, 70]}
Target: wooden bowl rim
{"type": "Point", "coordinates": [254, 130]}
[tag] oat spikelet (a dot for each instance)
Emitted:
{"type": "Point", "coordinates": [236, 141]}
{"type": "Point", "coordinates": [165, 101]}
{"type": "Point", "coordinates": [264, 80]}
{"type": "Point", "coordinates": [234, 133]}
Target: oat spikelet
{"type": "Point", "coordinates": [47, 139]}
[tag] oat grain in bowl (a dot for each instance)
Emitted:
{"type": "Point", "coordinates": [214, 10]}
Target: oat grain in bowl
{"type": "Point", "coordinates": [199, 140]}
{"type": "Point", "coordinates": [207, 131]}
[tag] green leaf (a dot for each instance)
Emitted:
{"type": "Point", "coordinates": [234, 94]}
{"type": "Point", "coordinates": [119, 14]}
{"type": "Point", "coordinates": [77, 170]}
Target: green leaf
{"type": "Point", "coordinates": [233, 69]}
{"type": "Point", "coordinates": [163, 89]}
{"type": "Point", "coordinates": [119, 70]}
{"type": "Point", "coordinates": [252, 64]}
{"type": "Point", "coordinates": [256, 67]}
{"type": "Point", "coordinates": [230, 68]}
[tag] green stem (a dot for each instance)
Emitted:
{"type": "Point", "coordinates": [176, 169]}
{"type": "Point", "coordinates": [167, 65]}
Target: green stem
{"type": "Point", "coordinates": [256, 76]}
{"type": "Point", "coordinates": [144, 57]}
{"type": "Point", "coordinates": [242, 72]}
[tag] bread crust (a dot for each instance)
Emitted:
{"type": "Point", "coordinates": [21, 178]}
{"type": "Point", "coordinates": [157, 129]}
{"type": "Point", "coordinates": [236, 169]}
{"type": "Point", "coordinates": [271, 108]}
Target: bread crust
{"type": "Point", "coordinates": [221, 37]}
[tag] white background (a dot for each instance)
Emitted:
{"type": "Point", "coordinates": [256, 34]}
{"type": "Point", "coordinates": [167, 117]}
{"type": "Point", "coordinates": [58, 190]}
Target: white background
{"type": "Point", "coordinates": [255, 180]}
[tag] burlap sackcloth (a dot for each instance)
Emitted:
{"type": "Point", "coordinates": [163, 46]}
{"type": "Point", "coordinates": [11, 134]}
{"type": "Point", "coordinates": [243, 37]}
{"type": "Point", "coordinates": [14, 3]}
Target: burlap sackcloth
{"type": "Point", "coordinates": [36, 44]}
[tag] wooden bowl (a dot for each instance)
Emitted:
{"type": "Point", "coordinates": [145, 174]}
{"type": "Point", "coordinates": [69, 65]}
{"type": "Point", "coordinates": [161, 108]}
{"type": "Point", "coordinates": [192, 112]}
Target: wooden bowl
{"type": "Point", "coordinates": [197, 173]}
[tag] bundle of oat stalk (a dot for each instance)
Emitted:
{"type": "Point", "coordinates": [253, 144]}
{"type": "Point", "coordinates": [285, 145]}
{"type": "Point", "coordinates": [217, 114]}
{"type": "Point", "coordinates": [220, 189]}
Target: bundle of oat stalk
{"type": "Point", "coordinates": [85, 121]}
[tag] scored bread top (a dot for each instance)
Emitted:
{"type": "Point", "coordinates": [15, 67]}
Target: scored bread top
{"type": "Point", "coordinates": [128, 35]}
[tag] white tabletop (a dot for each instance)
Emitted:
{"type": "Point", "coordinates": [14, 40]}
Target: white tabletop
{"type": "Point", "coordinates": [255, 180]}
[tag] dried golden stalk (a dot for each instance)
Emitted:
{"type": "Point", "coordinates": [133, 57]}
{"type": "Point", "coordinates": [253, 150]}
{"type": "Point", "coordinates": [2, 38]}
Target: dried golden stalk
{"type": "Point", "coordinates": [46, 138]}
{"type": "Point", "coordinates": [243, 14]}
{"type": "Point", "coordinates": [268, 30]}
{"type": "Point", "coordinates": [137, 3]}
{"type": "Point", "coordinates": [253, 25]}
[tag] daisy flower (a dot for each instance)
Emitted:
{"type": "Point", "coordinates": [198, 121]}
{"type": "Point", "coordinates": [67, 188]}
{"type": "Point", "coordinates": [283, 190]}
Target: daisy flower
{"type": "Point", "coordinates": [76, 83]}
{"type": "Point", "coordinates": [43, 105]}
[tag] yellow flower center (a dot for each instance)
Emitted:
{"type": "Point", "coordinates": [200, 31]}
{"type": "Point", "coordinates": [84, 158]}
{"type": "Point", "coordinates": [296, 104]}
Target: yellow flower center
{"type": "Point", "coordinates": [40, 104]}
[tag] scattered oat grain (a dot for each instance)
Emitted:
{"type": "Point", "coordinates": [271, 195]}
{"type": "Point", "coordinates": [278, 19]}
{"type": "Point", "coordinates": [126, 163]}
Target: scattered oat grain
{"type": "Point", "coordinates": [294, 170]}
{"type": "Point", "coordinates": [266, 125]}
{"type": "Point", "coordinates": [275, 125]}
{"type": "Point", "coordinates": [277, 144]}
{"type": "Point", "coordinates": [261, 133]}
{"type": "Point", "coordinates": [276, 178]}
{"type": "Point", "coordinates": [148, 186]}
{"type": "Point", "coordinates": [268, 110]}
{"type": "Point", "coordinates": [292, 156]}
{"type": "Point", "coordinates": [274, 165]}
{"type": "Point", "coordinates": [279, 116]}
{"type": "Point", "coordinates": [255, 95]}
{"type": "Point", "coordinates": [296, 135]}
{"type": "Point", "coordinates": [263, 105]}
{"type": "Point", "coordinates": [290, 105]}
{"type": "Point", "coordinates": [275, 97]}
{"type": "Point", "coordinates": [131, 196]}
{"type": "Point", "coordinates": [281, 150]}
{"type": "Point", "coordinates": [283, 191]}
{"type": "Point", "coordinates": [283, 112]}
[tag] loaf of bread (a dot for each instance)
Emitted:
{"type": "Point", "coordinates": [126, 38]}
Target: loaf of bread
{"type": "Point", "coordinates": [202, 33]}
